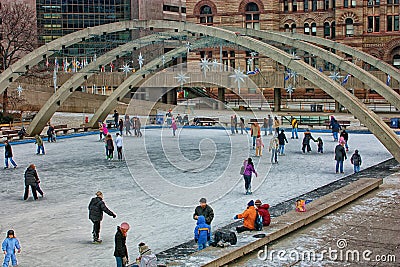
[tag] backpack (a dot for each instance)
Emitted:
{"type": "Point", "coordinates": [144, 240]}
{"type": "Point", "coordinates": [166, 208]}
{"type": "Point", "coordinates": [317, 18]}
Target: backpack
{"type": "Point", "coordinates": [356, 159]}
{"type": "Point", "coordinates": [258, 224]}
{"type": "Point", "coordinates": [229, 237]}
{"type": "Point", "coordinates": [242, 170]}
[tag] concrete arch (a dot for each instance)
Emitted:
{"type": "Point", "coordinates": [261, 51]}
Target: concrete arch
{"type": "Point", "coordinates": [66, 90]}
{"type": "Point", "coordinates": [379, 86]}
{"type": "Point", "coordinates": [354, 105]}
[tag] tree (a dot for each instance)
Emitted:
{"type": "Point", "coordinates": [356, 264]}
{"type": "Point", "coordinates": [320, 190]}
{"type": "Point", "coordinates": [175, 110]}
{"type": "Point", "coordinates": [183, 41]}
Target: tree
{"type": "Point", "coordinates": [18, 35]}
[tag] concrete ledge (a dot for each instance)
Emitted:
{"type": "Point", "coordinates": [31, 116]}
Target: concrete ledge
{"type": "Point", "coordinates": [288, 223]}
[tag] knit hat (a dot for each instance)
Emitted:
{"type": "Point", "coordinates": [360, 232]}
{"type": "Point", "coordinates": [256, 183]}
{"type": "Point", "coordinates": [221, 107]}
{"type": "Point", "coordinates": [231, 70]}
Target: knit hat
{"type": "Point", "coordinates": [251, 203]}
{"type": "Point", "coordinates": [10, 232]}
{"type": "Point", "coordinates": [203, 200]}
{"type": "Point", "coordinates": [144, 250]}
{"type": "Point", "coordinates": [257, 202]}
{"type": "Point", "coordinates": [125, 226]}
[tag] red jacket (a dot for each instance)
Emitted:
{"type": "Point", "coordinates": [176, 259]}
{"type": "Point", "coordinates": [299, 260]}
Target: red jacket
{"type": "Point", "coordinates": [263, 211]}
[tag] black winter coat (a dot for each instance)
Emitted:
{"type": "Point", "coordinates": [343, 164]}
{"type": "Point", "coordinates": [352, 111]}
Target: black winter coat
{"type": "Point", "coordinates": [96, 209]}
{"type": "Point", "coordinates": [282, 138]}
{"type": "Point", "coordinates": [31, 177]}
{"type": "Point", "coordinates": [207, 212]}
{"type": "Point", "coordinates": [8, 151]}
{"type": "Point", "coordinates": [120, 244]}
{"type": "Point", "coordinates": [340, 153]}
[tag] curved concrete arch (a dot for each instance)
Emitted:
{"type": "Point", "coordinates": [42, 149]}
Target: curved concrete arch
{"type": "Point", "coordinates": [376, 62]}
{"type": "Point", "coordinates": [386, 135]}
{"type": "Point", "coordinates": [66, 90]}
{"type": "Point", "coordinates": [373, 82]}
{"type": "Point", "coordinates": [381, 130]}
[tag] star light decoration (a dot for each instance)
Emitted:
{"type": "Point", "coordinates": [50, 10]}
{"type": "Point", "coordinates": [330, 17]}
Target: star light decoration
{"type": "Point", "coordinates": [188, 47]}
{"type": "Point", "coordinates": [215, 64]}
{"type": "Point", "coordinates": [335, 76]}
{"type": "Point", "coordinates": [253, 54]}
{"type": "Point", "coordinates": [182, 78]}
{"type": "Point", "coordinates": [290, 90]}
{"type": "Point", "coordinates": [163, 60]}
{"type": "Point", "coordinates": [239, 76]}
{"type": "Point", "coordinates": [292, 75]}
{"type": "Point", "coordinates": [205, 65]}
{"type": "Point", "coordinates": [294, 56]}
{"type": "Point", "coordinates": [19, 90]}
{"type": "Point", "coordinates": [126, 68]}
{"type": "Point", "coordinates": [140, 60]}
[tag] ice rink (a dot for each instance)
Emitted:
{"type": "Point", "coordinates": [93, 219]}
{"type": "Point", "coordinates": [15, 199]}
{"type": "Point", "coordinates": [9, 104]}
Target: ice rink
{"type": "Point", "coordinates": [155, 190]}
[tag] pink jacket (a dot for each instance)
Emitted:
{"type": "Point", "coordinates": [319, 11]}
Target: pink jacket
{"type": "Point", "coordinates": [259, 142]}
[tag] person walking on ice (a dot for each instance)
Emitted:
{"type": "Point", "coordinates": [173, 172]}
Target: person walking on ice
{"type": "Point", "coordinates": [118, 144]}
{"type": "Point", "coordinates": [9, 245]}
{"type": "Point", "coordinates": [32, 181]}
{"type": "Point", "coordinates": [356, 161]}
{"type": "Point", "coordinates": [248, 170]}
{"type": "Point", "coordinates": [120, 251]}
{"type": "Point", "coordinates": [273, 148]}
{"type": "Point", "coordinates": [96, 209]}
{"type": "Point", "coordinates": [202, 233]}
{"type": "Point", "coordinates": [8, 155]}
{"type": "Point", "coordinates": [259, 146]}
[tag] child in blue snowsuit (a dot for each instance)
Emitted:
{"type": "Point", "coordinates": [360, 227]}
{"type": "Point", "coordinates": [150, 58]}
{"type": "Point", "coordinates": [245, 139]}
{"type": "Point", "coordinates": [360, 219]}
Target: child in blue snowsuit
{"type": "Point", "coordinates": [202, 232]}
{"type": "Point", "coordinates": [9, 245]}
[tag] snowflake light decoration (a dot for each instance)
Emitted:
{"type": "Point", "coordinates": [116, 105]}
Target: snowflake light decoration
{"type": "Point", "coordinates": [291, 74]}
{"type": "Point", "coordinates": [253, 54]}
{"type": "Point", "coordinates": [188, 47]}
{"type": "Point", "coordinates": [140, 60]}
{"type": "Point", "coordinates": [335, 76]}
{"type": "Point", "coordinates": [249, 61]}
{"type": "Point", "coordinates": [182, 78]}
{"type": "Point", "coordinates": [215, 64]}
{"type": "Point", "coordinates": [290, 90]}
{"type": "Point", "coordinates": [19, 90]}
{"type": "Point", "coordinates": [294, 56]}
{"type": "Point", "coordinates": [239, 76]}
{"type": "Point", "coordinates": [205, 65]}
{"type": "Point", "coordinates": [163, 60]}
{"type": "Point", "coordinates": [126, 68]}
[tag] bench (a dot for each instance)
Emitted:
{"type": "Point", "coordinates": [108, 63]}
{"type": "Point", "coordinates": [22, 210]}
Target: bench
{"type": "Point", "coordinates": [342, 123]}
{"type": "Point", "coordinates": [83, 128]}
{"type": "Point", "coordinates": [9, 134]}
{"type": "Point", "coordinates": [205, 121]}
{"type": "Point", "coordinates": [61, 128]}
{"type": "Point", "coordinates": [110, 124]}
{"type": "Point", "coordinates": [260, 121]}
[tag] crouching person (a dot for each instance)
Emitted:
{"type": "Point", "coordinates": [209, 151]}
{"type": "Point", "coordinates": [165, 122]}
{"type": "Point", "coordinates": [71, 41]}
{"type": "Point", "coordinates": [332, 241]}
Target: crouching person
{"type": "Point", "coordinates": [249, 218]}
{"type": "Point", "coordinates": [202, 232]}
{"type": "Point", "coordinates": [147, 257]}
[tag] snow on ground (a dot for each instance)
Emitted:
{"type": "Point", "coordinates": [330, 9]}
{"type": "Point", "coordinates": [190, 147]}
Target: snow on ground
{"type": "Point", "coordinates": [155, 190]}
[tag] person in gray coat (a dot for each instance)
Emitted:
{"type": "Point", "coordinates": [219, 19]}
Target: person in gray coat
{"type": "Point", "coordinates": [32, 180]}
{"type": "Point", "coordinates": [96, 209]}
{"type": "Point", "coordinates": [340, 156]}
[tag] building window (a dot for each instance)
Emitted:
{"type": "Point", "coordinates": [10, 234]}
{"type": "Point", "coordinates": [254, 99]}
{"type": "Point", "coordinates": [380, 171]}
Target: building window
{"type": "Point", "coordinates": [389, 23]}
{"type": "Point", "coordinates": [376, 28]}
{"type": "Point", "coordinates": [349, 27]}
{"type": "Point", "coordinates": [326, 4]}
{"type": "Point", "coordinates": [306, 28]}
{"type": "Point", "coordinates": [314, 5]}
{"type": "Point", "coordinates": [294, 5]}
{"type": "Point", "coordinates": [206, 16]}
{"type": "Point", "coordinates": [396, 61]}
{"type": "Point", "coordinates": [370, 23]}
{"type": "Point", "coordinates": [285, 6]}
{"type": "Point", "coordinates": [392, 23]}
{"type": "Point", "coordinates": [305, 5]}
{"type": "Point", "coordinates": [346, 3]}
{"type": "Point", "coordinates": [327, 30]}
{"type": "Point", "coordinates": [333, 30]}
{"type": "Point", "coordinates": [353, 3]}
{"type": "Point", "coordinates": [313, 29]}
{"type": "Point", "coordinates": [252, 16]}
{"type": "Point", "coordinates": [286, 27]}
{"type": "Point", "coordinates": [294, 27]}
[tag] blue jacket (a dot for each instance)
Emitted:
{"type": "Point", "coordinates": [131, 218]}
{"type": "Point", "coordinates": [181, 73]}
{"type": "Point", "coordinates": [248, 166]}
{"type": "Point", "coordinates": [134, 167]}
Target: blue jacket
{"type": "Point", "coordinates": [202, 232]}
{"type": "Point", "coordinates": [10, 244]}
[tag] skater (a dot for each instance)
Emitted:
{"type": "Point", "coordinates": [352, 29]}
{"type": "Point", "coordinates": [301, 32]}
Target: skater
{"type": "Point", "coordinates": [105, 129]}
{"type": "Point", "coordinates": [259, 146]}
{"type": "Point", "coordinates": [356, 161]}
{"type": "Point", "coordinates": [120, 251]}
{"type": "Point", "coordinates": [306, 141]}
{"type": "Point", "coordinates": [147, 258]}
{"type": "Point", "coordinates": [334, 124]}
{"type": "Point", "coordinates": [320, 145]}
{"type": "Point", "coordinates": [173, 126]}
{"type": "Point", "coordinates": [202, 233]}
{"type": "Point", "coordinates": [242, 126]}
{"type": "Point", "coordinates": [248, 170]}
{"type": "Point", "coordinates": [100, 124]}
{"type": "Point", "coordinates": [40, 145]}
{"type": "Point", "coordinates": [51, 134]}
{"type": "Point", "coordinates": [137, 126]}
{"type": "Point", "coordinates": [265, 126]}
{"type": "Point", "coordinates": [340, 156]}
{"type": "Point", "coordinates": [8, 155]}
{"type": "Point", "coordinates": [96, 209]}
{"type": "Point", "coordinates": [179, 119]}
{"type": "Point", "coordinates": [345, 136]}
{"type": "Point", "coordinates": [118, 144]}
{"type": "Point", "coordinates": [9, 245]}
{"type": "Point", "coordinates": [128, 125]}
{"type": "Point", "coordinates": [232, 124]}
{"type": "Point", "coordinates": [116, 118]}
{"type": "Point", "coordinates": [22, 133]}
{"type": "Point", "coordinates": [273, 148]}
{"type": "Point", "coordinates": [295, 127]}
{"type": "Point", "coordinates": [263, 211]}
{"type": "Point", "coordinates": [255, 131]}
{"type": "Point", "coordinates": [276, 125]}
{"type": "Point", "coordinates": [109, 147]}
{"type": "Point", "coordinates": [282, 140]}
{"type": "Point", "coordinates": [248, 216]}
{"type": "Point", "coordinates": [121, 126]}
{"type": "Point", "coordinates": [235, 123]}
{"type": "Point", "coordinates": [168, 115]}
{"type": "Point", "coordinates": [204, 210]}
{"type": "Point", "coordinates": [270, 124]}
{"type": "Point", "coordinates": [32, 181]}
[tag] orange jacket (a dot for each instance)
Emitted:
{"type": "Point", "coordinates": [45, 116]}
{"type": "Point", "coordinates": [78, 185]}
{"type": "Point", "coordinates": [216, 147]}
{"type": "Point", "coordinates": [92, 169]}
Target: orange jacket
{"type": "Point", "coordinates": [249, 216]}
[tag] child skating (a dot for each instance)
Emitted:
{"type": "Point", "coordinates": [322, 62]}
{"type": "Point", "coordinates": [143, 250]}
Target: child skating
{"type": "Point", "coordinates": [259, 146]}
{"type": "Point", "coordinates": [10, 244]}
{"type": "Point", "coordinates": [320, 145]}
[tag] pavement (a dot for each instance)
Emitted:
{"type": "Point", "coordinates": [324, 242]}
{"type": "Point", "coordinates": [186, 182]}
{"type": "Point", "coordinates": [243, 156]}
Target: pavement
{"type": "Point", "coordinates": [362, 233]}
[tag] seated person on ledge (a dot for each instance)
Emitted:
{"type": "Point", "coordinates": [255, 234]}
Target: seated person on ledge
{"type": "Point", "coordinates": [249, 218]}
